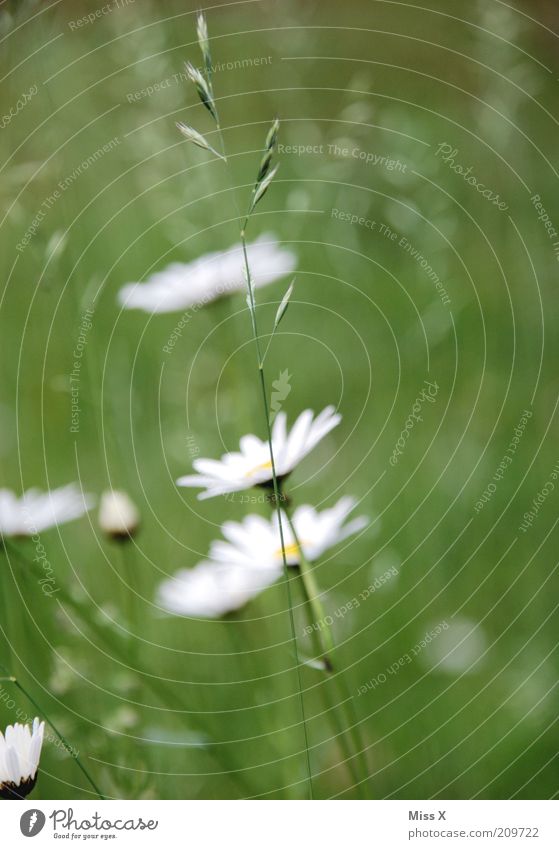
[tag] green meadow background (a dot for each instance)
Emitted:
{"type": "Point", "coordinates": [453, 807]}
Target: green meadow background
{"type": "Point", "coordinates": [165, 707]}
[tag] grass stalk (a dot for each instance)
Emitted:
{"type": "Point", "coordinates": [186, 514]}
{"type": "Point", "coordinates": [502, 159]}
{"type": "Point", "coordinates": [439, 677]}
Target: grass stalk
{"type": "Point", "coordinates": [116, 644]}
{"type": "Point", "coordinates": [129, 563]}
{"type": "Point", "coordinates": [264, 396]}
{"type": "Point", "coordinates": [327, 696]}
{"type": "Point", "coordinates": [71, 751]}
{"type": "Point", "coordinates": [4, 624]}
{"type": "Point", "coordinates": [275, 482]}
{"type": "Point", "coordinates": [42, 712]}
{"type": "Point", "coordinates": [327, 647]}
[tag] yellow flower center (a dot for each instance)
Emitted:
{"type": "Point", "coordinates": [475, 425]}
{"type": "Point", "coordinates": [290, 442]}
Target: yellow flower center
{"type": "Point", "coordinates": [261, 467]}
{"type": "Point", "coordinates": [292, 550]}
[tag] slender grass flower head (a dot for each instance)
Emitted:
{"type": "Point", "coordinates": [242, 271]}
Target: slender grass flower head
{"type": "Point", "coordinates": [252, 466]}
{"type": "Point", "coordinates": [36, 511]}
{"type": "Point", "coordinates": [184, 285]}
{"type": "Point", "coordinates": [20, 750]}
{"type": "Point", "coordinates": [119, 517]}
{"type": "Point", "coordinates": [249, 559]}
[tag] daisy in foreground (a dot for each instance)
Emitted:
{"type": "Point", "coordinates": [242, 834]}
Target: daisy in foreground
{"type": "Point", "coordinates": [251, 466]}
{"type": "Point", "coordinates": [36, 511]}
{"type": "Point", "coordinates": [250, 559]}
{"type": "Point", "coordinates": [20, 750]}
{"type": "Point", "coordinates": [183, 285]}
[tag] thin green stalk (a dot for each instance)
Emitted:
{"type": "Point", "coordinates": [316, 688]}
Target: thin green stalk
{"type": "Point", "coordinates": [160, 690]}
{"type": "Point", "coordinates": [4, 614]}
{"type": "Point", "coordinates": [230, 329]}
{"type": "Point", "coordinates": [131, 577]}
{"type": "Point", "coordinates": [71, 751]}
{"type": "Point", "coordinates": [264, 396]}
{"type": "Point", "coordinates": [327, 647]}
{"type": "Point", "coordinates": [355, 730]}
{"type": "Point", "coordinates": [203, 85]}
{"type": "Point", "coordinates": [312, 594]}
{"type": "Point", "coordinates": [330, 703]}
{"type": "Point", "coordinates": [64, 597]}
{"type": "Point", "coordinates": [262, 382]}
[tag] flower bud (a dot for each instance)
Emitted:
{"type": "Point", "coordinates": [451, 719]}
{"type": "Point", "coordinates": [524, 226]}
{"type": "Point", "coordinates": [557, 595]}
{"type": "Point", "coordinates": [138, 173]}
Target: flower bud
{"type": "Point", "coordinates": [118, 515]}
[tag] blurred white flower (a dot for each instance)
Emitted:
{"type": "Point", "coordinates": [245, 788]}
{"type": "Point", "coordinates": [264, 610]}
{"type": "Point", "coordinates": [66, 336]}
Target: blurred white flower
{"type": "Point", "coordinates": [459, 648]}
{"type": "Point", "coordinates": [118, 515]}
{"type": "Point", "coordinates": [36, 511]}
{"type": "Point", "coordinates": [214, 589]}
{"type": "Point", "coordinates": [250, 559]}
{"type": "Point", "coordinates": [251, 466]}
{"type": "Point", "coordinates": [20, 750]}
{"type": "Point", "coordinates": [183, 285]}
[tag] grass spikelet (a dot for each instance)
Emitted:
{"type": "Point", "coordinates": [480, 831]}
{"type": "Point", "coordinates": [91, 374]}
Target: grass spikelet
{"type": "Point", "coordinates": [198, 139]}
{"type": "Point", "coordinates": [282, 309]}
{"type": "Point", "coordinates": [269, 147]}
{"type": "Point", "coordinates": [262, 187]}
{"type": "Point", "coordinates": [203, 89]}
{"type": "Point", "coordinates": [203, 41]}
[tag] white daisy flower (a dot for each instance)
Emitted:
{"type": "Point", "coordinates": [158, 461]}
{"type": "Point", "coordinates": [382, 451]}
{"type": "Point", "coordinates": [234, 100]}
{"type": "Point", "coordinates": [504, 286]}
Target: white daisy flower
{"type": "Point", "coordinates": [183, 285]}
{"type": "Point", "coordinates": [118, 515]}
{"type": "Point", "coordinates": [251, 466]}
{"type": "Point", "coordinates": [249, 559]}
{"type": "Point", "coordinates": [36, 511]}
{"type": "Point", "coordinates": [213, 589]}
{"type": "Point", "coordinates": [20, 750]}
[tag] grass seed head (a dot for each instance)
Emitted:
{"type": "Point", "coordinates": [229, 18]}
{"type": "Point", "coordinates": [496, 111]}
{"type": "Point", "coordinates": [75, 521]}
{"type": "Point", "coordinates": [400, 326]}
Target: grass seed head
{"type": "Point", "coordinates": [262, 187]}
{"type": "Point", "coordinates": [282, 309]}
{"type": "Point", "coordinates": [197, 138]}
{"type": "Point", "coordinates": [269, 147]}
{"type": "Point", "coordinates": [203, 41]}
{"type": "Point", "coordinates": [202, 88]}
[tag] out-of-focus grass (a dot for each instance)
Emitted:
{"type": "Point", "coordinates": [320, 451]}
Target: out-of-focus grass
{"type": "Point", "coordinates": [213, 709]}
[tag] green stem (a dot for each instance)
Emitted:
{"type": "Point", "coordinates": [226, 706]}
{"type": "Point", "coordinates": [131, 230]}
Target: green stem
{"type": "Point", "coordinates": [327, 647]}
{"type": "Point", "coordinates": [4, 614]}
{"type": "Point", "coordinates": [230, 331]}
{"type": "Point", "coordinates": [312, 594]}
{"type": "Point", "coordinates": [70, 749]}
{"type": "Point", "coordinates": [329, 701]}
{"type": "Point", "coordinates": [355, 730]}
{"type": "Point", "coordinates": [131, 577]}
{"type": "Point", "coordinates": [160, 690]}
{"type": "Point", "coordinates": [264, 396]}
